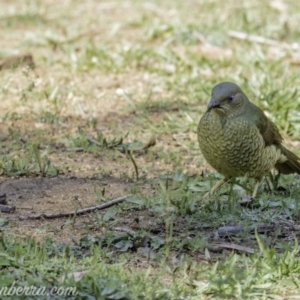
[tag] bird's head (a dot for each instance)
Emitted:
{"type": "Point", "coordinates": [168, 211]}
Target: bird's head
{"type": "Point", "coordinates": [227, 99]}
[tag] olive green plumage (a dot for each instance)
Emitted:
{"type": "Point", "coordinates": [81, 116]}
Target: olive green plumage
{"type": "Point", "coordinates": [237, 139]}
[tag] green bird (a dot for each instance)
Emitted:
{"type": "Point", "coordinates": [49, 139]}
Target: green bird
{"type": "Point", "coordinates": [237, 138]}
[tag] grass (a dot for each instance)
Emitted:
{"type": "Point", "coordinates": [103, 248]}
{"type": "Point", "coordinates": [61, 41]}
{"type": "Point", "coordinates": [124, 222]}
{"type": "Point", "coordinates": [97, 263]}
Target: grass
{"type": "Point", "coordinates": [112, 108]}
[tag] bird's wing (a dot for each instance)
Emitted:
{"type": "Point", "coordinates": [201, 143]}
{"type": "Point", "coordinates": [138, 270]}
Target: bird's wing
{"type": "Point", "coordinates": [271, 134]}
{"type": "Point", "coordinates": [268, 129]}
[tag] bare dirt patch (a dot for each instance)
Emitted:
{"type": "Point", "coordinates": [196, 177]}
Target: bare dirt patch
{"type": "Point", "coordinates": [55, 195]}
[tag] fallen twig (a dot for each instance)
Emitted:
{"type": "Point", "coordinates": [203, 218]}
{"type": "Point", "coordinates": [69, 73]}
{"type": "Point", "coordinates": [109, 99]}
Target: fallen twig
{"type": "Point", "coordinates": [226, 231]}
{"type": "Point", "coordinates": [76, 212]}
{"type": "Point", "coordinates": [235, 247]}
{"type": "Point", "coordinates": [124, 229]}
{"type": "Point", "coordinates": [25, 207]}
{"type": "Point", "coordinates": [262, 40]}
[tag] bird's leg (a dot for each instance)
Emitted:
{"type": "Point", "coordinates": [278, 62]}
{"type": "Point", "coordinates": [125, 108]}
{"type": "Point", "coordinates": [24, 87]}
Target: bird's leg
{"type": "Point", "coordinates": [256, 188]}
{"type": "Point", "coordinates": [216, 187]}
{"type": "Point", "coordinates": [276, 180]}
{"type": "Point", "coordinates": [270, 181]}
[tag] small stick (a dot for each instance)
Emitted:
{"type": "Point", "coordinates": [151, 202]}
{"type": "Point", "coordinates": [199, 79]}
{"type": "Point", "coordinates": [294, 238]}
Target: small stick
{"type": "Point", "coordinates": [73, 213]}
{"type": "Point", "coordinates": [262, 40]}
{"type": "Point", "coordinates": [227, 231]}
{"type": "Point", "coordinates": [124, 229]}
{"type": "Point", "coordinates": [236, 247]}
{"type": "Point", "coordinates": [25, 207]}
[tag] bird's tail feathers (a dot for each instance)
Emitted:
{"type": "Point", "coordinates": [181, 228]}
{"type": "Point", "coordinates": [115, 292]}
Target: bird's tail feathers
{"type": "Point", "coordinates": [292, 165]}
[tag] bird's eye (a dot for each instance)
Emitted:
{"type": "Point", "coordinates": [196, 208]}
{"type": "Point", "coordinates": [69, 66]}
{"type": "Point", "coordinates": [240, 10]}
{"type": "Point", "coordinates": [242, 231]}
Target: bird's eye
{"type": "Point", "coordinates": [230, 98]}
